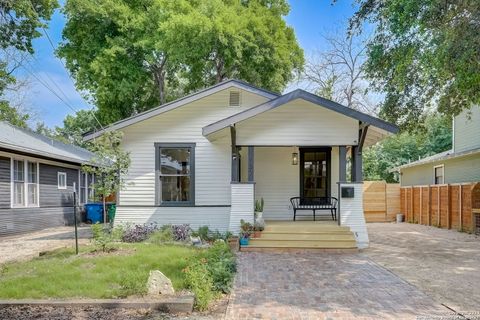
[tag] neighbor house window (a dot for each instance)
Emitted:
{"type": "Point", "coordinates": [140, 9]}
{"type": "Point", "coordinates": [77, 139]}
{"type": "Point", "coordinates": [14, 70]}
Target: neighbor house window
{"type": "Point", "coordinates": [91, 190]}
{"type": "Point", "coordinates": [439, 174]}
{"type": "Point", "coordinates": [32, 184]}
{"type": "Point", "coordinates": [24, 183]}
{"type": "Point", "coordinates": [62, 180]}
{"type": "Point", "coordinates": [175, 173]}
{"type": "Point", "coordinates": [83, 187]}
{"type": "Point", "coordinates": [18, 183]}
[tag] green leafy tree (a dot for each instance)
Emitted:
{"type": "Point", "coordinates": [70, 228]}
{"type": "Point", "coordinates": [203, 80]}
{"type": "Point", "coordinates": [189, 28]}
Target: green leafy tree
{"type": "Point", "coordinates": [433, 137]}
{"type": "Point", "coordinates": [111, 165]}
{"type": "Point", "coordinates": [423, 53]}
{"type": "Point", "coordinates": [133, 55]}
{"type": "Point", "coordinates": [74, 126]}
{"type": "Point", "coordinates": [12, 115]}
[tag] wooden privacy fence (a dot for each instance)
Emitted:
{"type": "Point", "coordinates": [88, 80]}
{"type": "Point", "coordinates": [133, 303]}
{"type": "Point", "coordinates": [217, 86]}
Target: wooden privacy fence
{"type": "Point", "coordinates": [381, 201]}
{"type": "Point", "coordinates": [446, 206]}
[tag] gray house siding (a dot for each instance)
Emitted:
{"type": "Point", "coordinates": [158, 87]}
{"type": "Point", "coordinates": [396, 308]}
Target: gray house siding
{"type": "Point", "coordinates": [4, 182]}
{"type": "Point", "coordinates": [456, 170]}
{"type": "Point", "coordinates": [56, 205]}
{"type": "Point", "coordinates": [21, 220]}
{"type": "Point", "coordinates": [50, 195]}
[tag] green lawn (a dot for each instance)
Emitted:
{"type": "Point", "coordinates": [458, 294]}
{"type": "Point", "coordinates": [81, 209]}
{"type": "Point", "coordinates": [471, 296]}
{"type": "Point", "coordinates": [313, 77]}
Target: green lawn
{"type": "Point", "coordinates": [121, 273]}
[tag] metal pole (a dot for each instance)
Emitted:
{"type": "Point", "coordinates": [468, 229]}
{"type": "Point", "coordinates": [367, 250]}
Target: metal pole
{"type": "Point", "coordinates": [75, 217]}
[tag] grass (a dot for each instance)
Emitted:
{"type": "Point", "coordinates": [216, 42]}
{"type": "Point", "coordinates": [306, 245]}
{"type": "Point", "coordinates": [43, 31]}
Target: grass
{"type": "Point", "coordinates": [121, 273]}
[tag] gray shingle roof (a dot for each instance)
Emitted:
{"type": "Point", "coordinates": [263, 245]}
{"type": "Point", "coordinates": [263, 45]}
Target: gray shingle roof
{"type": "Point", "coordinates": [449, 154]}
{"type": "Point", "coordinates": [26, 141]}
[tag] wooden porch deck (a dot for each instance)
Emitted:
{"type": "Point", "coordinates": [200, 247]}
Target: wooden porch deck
{"type": "Point", "coordinates": [303, 236]}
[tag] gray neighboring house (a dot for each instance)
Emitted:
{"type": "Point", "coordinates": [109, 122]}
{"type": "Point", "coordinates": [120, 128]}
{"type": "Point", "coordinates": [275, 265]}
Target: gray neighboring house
{"type": "Point", "coordinates": [37, 178]}
{"type": "Point", "coordinates": [459, 165]}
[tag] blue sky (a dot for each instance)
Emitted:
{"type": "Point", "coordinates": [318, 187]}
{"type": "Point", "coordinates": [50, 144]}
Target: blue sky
{"type": "Point", "coordinates": [309, 18]}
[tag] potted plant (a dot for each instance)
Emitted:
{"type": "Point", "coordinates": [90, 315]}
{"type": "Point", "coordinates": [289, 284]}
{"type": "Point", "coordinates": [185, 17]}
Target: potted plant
{"type": "Point", "coordinates": [258, 227]}
{"type": "Point", "coordinates": [259, 209]}
{"type": "Point", "coordinates": [245, 232]}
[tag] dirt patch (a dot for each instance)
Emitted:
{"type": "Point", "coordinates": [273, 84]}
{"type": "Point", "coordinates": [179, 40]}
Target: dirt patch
{"type": "Point", "coordinates": [217, 311]}
{"type": "Point", "coordinates": [445, 264]}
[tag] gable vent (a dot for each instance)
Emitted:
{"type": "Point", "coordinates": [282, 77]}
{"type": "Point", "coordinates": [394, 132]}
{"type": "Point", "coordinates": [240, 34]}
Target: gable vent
{"type": "Point", "coordinates": [234, 99]}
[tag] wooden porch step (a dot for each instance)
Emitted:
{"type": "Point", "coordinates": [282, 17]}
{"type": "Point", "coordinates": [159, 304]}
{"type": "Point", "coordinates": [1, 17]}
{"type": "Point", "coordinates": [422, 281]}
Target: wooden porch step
{"type": "Point", "coordinates": [308, 236]}
{"type": "Point", "coordinates": [300, 243]}
{"type": "Point", "coordinates": [297, 250]}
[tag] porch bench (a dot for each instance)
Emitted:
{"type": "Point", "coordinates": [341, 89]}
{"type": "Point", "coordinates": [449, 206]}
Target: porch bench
{"type": "Point", "coordinates": [314, 204]}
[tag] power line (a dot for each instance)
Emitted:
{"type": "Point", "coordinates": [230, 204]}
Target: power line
{"type": "Point", "coordinates": [63, 64]}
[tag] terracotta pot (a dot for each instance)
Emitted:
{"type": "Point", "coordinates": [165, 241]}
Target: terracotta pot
{"type": "Point", "coordinates": [234, 244]}
{"type": "Point", "coordinates": [257, 234]}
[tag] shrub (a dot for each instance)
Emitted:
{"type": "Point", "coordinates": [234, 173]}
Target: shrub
{"type": "Point", "coordinates": [207, 235]}
{"type": "Point", "coordinates": [198, 279]}
{"type": "Point", "coordinates": [181, 232]}
{"type": "Point", "coordinates": [139, 233]}
{"type": "Point", "coordinates": [210, 273]}
{"type": "Point", "coordinates": [162, 236]}
{"type": "Point", "coordinates": [221, 265]}
{"type": "Point", "coordinates": [104, 236]}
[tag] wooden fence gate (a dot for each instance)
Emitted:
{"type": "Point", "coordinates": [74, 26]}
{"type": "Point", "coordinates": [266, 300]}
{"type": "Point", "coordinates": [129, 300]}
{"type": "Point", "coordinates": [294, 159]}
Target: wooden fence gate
{"type": "Point", "coordinates": [381, 201]}
{"type": "Point", "coordinates": [446, 206]}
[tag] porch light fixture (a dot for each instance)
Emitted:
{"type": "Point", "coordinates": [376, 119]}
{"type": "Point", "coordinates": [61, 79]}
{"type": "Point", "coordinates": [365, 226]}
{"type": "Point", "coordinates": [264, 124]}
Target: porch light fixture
{"type": "Point", "coordinates": [294, 158]}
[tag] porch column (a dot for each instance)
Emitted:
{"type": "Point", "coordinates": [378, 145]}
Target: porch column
{"type": "Point", "coordinates": [342, 154]}
{"type": "Point", "coordinates": [251, 162]}
{"type": "Point", "coordinates": [235, 155]}
{"type": "Point", "coordinates": [357, 161]}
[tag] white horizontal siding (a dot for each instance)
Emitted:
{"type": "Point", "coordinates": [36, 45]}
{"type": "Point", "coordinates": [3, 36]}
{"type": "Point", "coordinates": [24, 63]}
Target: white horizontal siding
{"type": "Point", "coordinates": [216, 218]}
{"type": "Point", "coordinates": [351, 214]}
{"type": "Point", "coordinates": [184, 125]}
{"type": "Point", "coordinates": [277, 180]}
{"type": "Point", "coordinates": [467, 130]}
{"type": "Point", "coordinates": [298, 123]}
{"type": "Point", "coordinates": [242, 195]}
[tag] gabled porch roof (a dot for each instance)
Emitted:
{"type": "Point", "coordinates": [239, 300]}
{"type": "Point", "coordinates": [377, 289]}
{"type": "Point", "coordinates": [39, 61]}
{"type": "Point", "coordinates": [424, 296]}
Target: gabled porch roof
{"type": "Point", "coordinates": [378, 128]}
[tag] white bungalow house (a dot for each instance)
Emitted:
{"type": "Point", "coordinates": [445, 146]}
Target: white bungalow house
{"type": "Point", "coordinates": [205, 158]}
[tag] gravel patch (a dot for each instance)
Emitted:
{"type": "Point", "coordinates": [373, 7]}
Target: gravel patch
{"type": "Point", "coordinates": [29, 245]}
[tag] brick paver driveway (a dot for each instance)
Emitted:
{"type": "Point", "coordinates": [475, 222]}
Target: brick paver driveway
{"type": "Point", "coordinates": [323, 286]}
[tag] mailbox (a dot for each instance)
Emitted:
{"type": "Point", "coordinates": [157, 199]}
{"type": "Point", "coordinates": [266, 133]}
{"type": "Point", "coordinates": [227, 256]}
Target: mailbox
{"type": "Point", "coordinates": [348, 192]}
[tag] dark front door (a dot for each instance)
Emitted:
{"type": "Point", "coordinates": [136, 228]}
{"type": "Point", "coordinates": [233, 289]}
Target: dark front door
{"type": "Point", "coordinates": [315, 172]}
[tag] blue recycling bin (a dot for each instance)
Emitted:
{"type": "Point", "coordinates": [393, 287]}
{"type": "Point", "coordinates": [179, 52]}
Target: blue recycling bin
{"type": "Point", "coordinates": [94, 212]}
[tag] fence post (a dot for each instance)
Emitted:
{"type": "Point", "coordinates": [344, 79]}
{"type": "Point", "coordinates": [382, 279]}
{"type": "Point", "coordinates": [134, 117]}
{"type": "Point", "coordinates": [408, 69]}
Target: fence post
{"type": "Point", "coordinates": [449, 212]}
{"type": "Point", "coordinates": [438, 206]}
{"type": "Point", "coordinates": [429, 211]}
{"type": "Point", "coordinates": [460, 210]}
{"type": "Point", "coordinates": [411, 204]}
{"type": "Point", "coordinates": [421, 204]}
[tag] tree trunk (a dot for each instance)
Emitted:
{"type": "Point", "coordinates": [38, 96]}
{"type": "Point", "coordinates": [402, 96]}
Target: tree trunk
{"type": "Point", "coordinates": [219, 64]}
{"type": "Point", "coordinates": [159, 74]}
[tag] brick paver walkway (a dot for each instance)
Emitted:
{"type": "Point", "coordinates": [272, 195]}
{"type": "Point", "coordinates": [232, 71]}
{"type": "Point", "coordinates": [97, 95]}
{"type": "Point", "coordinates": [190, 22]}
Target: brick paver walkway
{"type": "Point", "coordinates": [323, 286]}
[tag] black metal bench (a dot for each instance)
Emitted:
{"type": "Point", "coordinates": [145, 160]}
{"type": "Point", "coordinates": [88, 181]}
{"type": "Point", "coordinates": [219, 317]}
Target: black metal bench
{"type": "Point", "coordinates": [314, 204]}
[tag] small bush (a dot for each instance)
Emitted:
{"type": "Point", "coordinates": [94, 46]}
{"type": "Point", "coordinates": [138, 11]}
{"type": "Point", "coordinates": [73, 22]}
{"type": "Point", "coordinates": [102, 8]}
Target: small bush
{"type": "Point", "coordinates": [162, 236]}
{"type": "Point", "coordinates": [104, 236]}
{"type": "Point", "coordinates": [210, 273]}
{"type": "Point", "coordinates": [181, 232]}
{"type": "Point", "coordinates": [200, 282]}
{"type": "Point", "coordinates": [139, 233]}
{"type": "Point", "coordinates": [221, 265]}
{"type": "Point", "coordinates": [211, 236]}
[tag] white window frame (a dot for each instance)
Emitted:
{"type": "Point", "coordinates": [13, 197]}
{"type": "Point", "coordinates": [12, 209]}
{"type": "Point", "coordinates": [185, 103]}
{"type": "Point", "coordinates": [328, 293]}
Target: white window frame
{"type": "Point", "coordinates": [87, 187]}
{"type": "Point", "coordinates": [59, 174]}
{"type": "Point", "coordinates": [25, 183]}
{"type": "Point", "coordinates": [434, 174]}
